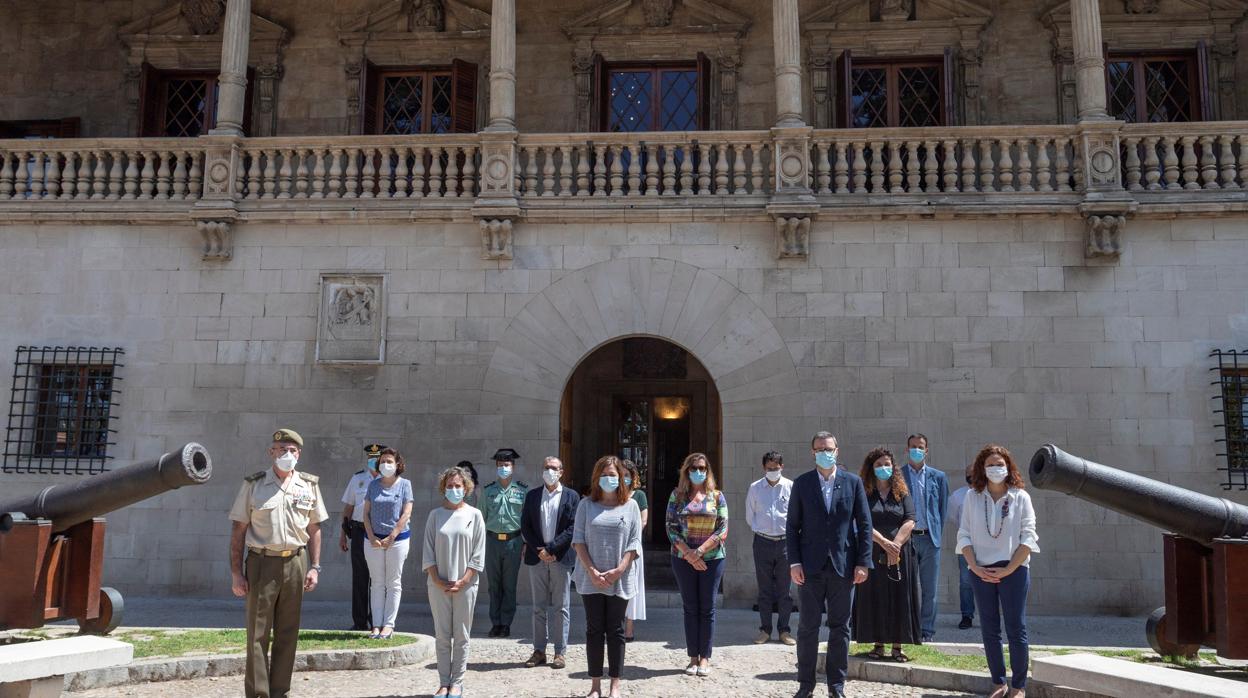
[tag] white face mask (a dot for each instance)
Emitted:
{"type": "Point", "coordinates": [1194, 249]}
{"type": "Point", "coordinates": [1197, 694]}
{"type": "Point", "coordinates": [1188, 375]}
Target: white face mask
{"type": "Point", "coordinates": [387, 469]}
{"type": "Point", "coordinates": [286, 462]}
{"type": "Point", "coordinates": [996, 474]}
{"type": "Point", "coordinates": [774, 475]}
{"type": "Point", "coordinates": [550, 477]}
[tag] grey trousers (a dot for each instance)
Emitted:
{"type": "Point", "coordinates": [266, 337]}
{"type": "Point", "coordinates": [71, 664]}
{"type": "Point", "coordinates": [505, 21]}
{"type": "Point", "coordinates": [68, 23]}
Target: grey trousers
{"type": "Point", "coordinates": [452, 620]}
{"type": "Point", "coordinates": [771, 570]}
{"type": "Point", "coordinates": [551, 583]}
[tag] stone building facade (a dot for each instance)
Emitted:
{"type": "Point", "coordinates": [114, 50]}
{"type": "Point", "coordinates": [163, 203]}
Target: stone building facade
{"type": "Point", "coordinates": [1027, 270]}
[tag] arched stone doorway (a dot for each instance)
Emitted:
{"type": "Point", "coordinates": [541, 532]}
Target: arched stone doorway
{"type": "Point", "coordinates": [645, 399]}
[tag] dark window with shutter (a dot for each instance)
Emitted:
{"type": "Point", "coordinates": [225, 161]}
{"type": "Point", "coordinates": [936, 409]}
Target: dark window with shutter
{"type": "Point", "coordinates": [408, 101]}
{"type": "Point", "coordinates": [40, 128]}
{"type": "Point", "coordinates": [654, 96]}
{"type": "Point", "coordinates": [1154, 87]}
{"type": "Point", "coordinates": [884, 93]}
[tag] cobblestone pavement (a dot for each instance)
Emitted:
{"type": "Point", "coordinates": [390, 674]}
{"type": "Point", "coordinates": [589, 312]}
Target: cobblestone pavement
{"type": "Point", "coordinates": [654, 669]}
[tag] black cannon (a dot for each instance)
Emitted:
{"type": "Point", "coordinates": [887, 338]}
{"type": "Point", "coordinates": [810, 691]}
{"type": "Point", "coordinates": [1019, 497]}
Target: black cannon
{"type": "Point", "coordinates": [1205, 549]}
{"type": "Point", "coordinates": [52, 542]}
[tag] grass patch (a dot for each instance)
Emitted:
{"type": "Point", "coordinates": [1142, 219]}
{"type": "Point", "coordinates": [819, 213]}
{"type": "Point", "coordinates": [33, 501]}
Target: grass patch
{"type": "Point", "coordinates": [926, 655]}
{"type": "Point", "coordinates": [178, 643]}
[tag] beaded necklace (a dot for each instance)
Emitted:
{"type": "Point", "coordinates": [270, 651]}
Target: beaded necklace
{"type": "Point", "coordinates": [1005, 511]}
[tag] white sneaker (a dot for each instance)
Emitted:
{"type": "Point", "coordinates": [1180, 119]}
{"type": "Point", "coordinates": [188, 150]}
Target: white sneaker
{"type": "Point", "coordinates": [691, 670]}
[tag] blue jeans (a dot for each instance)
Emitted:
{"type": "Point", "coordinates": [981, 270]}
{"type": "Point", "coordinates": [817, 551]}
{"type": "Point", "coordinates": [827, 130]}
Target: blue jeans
{"type": "Point", "coordinates": [697, 595]}
{"type": "Point", "coordinates": [966, 592]}
{"type": "Point", "coordinates": [1005, 601]}
{"type": "Point", "coordinates": [929, 572]}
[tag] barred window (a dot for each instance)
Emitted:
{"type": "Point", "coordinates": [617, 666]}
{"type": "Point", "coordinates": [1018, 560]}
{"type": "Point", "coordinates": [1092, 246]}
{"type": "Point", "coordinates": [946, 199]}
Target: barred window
{"type": "Point", "coordinates": [1232, 371]}
{"type": "Point", "coordinates": [61, 411]}
{"type": "Point", "coordinates": [654, 96]}
{"type": "Point", "coordinates": [894, 92]}
{"type": "Point", "coordinates": [1148, 88]}
{"type": "Point", "coordinates": [414, 100]}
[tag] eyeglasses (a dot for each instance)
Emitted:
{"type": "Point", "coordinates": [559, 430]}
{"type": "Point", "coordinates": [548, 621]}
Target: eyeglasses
{"type": "Point", "coordinates": [700, 469]}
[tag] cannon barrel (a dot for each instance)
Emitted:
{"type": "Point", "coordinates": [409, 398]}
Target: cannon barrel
{"type": "Point", "coordinates": [1198, 517]}
{"type": "Point", "coordinates": [71, 504]}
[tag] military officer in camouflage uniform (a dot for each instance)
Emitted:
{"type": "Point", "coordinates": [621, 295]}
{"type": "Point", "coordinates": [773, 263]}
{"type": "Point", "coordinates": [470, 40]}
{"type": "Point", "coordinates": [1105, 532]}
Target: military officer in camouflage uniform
{"type": "Point", "coordinates": [354, 537]}
{"type": "Point", "coordinates": [276, 517]}
{"type": "Point", "coordinates": [501, 503]}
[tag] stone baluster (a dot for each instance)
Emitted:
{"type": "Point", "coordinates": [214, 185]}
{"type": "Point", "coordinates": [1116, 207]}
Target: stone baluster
{"type": "Point", "coordinates": [987, 167]}
{"type": "Point", "coordinates": [402, 172]}
{"type": "Point", "coordinates": [36, 174]}
{"type": "Point", "coordinates": [704, 169]}
{"type": "Point", "coordinates": [1005, 164]}
{"type": "Point", "coordinates": [285, 175]}
{"type": "Point", "coordinates": [1132, 163]}
{"type": "Point", "coordinates": [318, 174]}
{"type": "Point", "coordinates": [419, 174]}
{"type": "Point", "coordinates": [19, 175]}
{"type": "Point", "coordinates": [652, 170]}
{"type": "Point", "coordinates": [566, 170]}
{"type": "Point", "coordinates": [721, 169]}
{"type": "Point", "coordinates": [6, 176]}
{"type": "Point", "coordinates": [931, 166]}
{"type": "Point", "coordinates": [896, 173]}
{"type": "Point", "coordinates": [634, 171]}
{"type": "Point", "coordinates": [180, 175]}
{"type": "Point", "coordinates": [301, 173]}
{"type": "Point", "coordinates": [116, 175]}
{"type": "Point", "coordinates": [385, 173]}
{"type": "Point", "coordinates": [195, 178]}
{"type": "Point", "coordinates": [69, 175]}
{"type": "Point", "coordinates": [1044, 174]}
{"type": "Point", "coordinates": [949, 174]}
{"type": "Point", "coordinates": [582, 171]}
{"type": "Point", "coordinates": [757, 185]}
{"type": "Point", "coordinates": [1243, 160]}
{"type": "Point", "coordinates": [840, 176]}
{"type": "Point", "coordinates": [1025, 175]}
{"type": "Point", "coordinates": [132, 176]}
{"type": "Point", "coordinates": [350, 176]}
{"type": "Point", "coordinates": [163, 173]}
{"type": "Point", "coordinates": [334, 190]}
{"type": "Point", "coordinates": [968, 167]}
{"type": "Point", "coordinates": [468, 173]}
{"type": "Point", "coordinates": [99, 178]}
{"type": "Point", "coordinates": [1152, 164]}
{"type": "Point", "coordinates": [437, 184]}
{"type": "Point", "coordinates": [740, 177]}
{"type": "Point", "coordinates": [51, 173]}
{"type": "Point", "coordinates": [1227, 158]}
{"type": "Point", "coordinates": [1062, 165]}
{"type": "Point", "coordinates": [82, 184]}
{"type": "Point", "coordinates": [670, 154]}
{"type": "Point", "coordinates": [77, 179]}
{"type": "Point", "coordinates": [616, 169]}
{"type": "Point", "coordinates": [823, 169]}
{"type": "Point", "coordinates": [913, 167]}
{"type": "Point", "coordinates": [877, 167]}
{"type": "Point", "coordinates": [270, 174]}
{"type": "Point", "coordinates": [547, 154]}
{"type": "Point", "coordinates": [368, 173]}
{"type": "Point", "coordinates": [686, 171]}
{"type": "Point", "coordinates": [860, 167]}
{"type": "Point", "coordinates": [528, 157]}
{"type": "Point", "coordinates": [1208, 163]}
{"type": "Point", "coordinates": [253, 180]}
{"type": "Point", "coordinates": [147, 176]}
{"type": "Point", "coordinates": [600, 170]}
{"type": "Point", "coordinates": [452, 173]}
{"type": "Point", "coordinates": [1191, 175]}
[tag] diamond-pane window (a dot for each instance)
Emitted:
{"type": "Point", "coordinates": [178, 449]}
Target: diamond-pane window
{"type": "Point", "coordinates": [186, 106]}
{"type": "Point", "coordinates": [403, 105]}
{"type": "Point", "coordinates": [416, 100]}
{"type": "Point", "coordinates": [440, 111]}
{"type": "Point", "coordinates": [1148, 88]}
{"type": "Point", "coordinates": [892, 93]}
{"type": "Point", "coordinates": [650, 97]}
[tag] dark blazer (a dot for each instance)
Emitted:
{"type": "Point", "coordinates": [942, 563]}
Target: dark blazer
{"type": "Point", "coordinates": [531, 526]}
{"type": "Point", "coordinates": [813, 532]}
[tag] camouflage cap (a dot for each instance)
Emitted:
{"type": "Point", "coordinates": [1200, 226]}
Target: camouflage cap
{"type": "Point", "coordinates": [289, 436]}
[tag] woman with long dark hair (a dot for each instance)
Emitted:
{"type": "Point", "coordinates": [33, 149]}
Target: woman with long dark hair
{"type": "Point", "coordinates": [697, 526]}
{"type": "Point", "coordinates": [997, 536]}
{"type": "Point", "coordinates": [886, 606]}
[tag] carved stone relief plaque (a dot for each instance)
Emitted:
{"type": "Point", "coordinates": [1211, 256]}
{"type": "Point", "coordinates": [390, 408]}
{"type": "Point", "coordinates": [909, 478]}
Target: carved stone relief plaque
{"type": "Point", "coordinates": [351, 325]}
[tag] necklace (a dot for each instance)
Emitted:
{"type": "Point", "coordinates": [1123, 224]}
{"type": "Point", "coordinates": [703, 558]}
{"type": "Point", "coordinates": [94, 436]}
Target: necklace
{"type": "Point", "coordinates": [1001, 521]}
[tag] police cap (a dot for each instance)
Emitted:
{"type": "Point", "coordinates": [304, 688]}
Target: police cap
{"type": "Point", "coordinates": [374, 450]}
{"type": "Point", "coordinates": [507, 454]}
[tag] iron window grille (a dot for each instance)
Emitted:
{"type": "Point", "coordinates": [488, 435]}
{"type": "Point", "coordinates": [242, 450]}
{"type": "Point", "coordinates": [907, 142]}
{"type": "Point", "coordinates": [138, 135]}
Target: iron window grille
{"type": "Point", "coordinates": [61, 410]}
{"type": "Point", "coordinates": [1232, 371]}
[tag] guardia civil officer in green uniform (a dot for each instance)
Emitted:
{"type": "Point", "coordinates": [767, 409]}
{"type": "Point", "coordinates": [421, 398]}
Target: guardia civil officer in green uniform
{"type": "Point", "coordinates": [501, 503]}
{"type": "Point", "coordinates": [277, 517]}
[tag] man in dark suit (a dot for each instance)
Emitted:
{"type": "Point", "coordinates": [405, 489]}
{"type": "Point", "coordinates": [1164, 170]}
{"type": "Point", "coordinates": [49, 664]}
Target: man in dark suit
{"type": "Point", "coordinates": [546, 523]}
{"type": "Point", "coordinates": [828, 532]}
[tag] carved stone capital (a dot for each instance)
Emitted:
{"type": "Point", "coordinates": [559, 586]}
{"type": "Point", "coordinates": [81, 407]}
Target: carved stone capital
{"type": "Point", "coordinates": [496, 238]}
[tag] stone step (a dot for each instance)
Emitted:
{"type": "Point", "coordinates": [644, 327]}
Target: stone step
{"type": "Point", "coordinates": [1120, 678]}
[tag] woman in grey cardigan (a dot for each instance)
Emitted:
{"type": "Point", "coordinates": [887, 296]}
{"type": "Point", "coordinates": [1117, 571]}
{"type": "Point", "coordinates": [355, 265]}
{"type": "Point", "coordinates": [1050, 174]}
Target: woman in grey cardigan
{"type": "Point", "coordinates": [607, 540]}
{"type": "Point", "coordinates": [454, 554]}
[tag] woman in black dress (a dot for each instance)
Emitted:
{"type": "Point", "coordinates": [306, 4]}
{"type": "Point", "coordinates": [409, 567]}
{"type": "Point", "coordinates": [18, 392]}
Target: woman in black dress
{"type": "Point", "coordinates": [886, 608]}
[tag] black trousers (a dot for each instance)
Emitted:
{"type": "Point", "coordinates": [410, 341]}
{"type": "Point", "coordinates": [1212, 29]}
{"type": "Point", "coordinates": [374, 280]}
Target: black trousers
{"type": "Point", "coordinates": [361, 611]}
{"type": "Point", "coordinates": [771, 572]}
{"type": "Point", "coordinates": [824, 589]}
{"type": "Point", "coordinates": [604, 620]}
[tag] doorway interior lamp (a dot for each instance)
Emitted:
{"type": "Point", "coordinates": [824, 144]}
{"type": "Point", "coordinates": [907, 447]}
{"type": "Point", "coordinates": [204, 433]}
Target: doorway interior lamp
{"type": "Point", "coordinates": [671, 408]}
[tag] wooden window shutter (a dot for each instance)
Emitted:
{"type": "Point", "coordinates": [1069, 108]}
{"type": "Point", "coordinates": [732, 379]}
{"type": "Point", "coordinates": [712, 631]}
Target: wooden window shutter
{"type": "Point", "coordinates": [463, 97]}
{"type": "Point", "coordinates": [704, 92]}
{"type": "Point", "coordinates": [247, 104]}
{"type": "Point", "coordinates": [601, 94]}
{"type": "Point", "coordinates": [844, 81]}
{"type": "Point", "coordinates": [949, 90]}
{"type": "Point", "coordinates": [1204, 95]}
{"type": "Point", "coordinates": [370, 94]}
{"type": "Point", "coordinates": [150, 107]}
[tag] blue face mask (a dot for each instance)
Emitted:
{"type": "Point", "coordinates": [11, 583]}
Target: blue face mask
{"type": "Point", "coordinates": [697, 477]}
{"type": "Point", "coordinates": [504, 472]}
{"type": "Point", "coordinates": [454, 495]}
{"type": "Point", "coordinates": [609, 483]}
{"type": "Point", "coordinates": [372, 464]}
{"type": "Point", "coordinates": [825, 460]}
{"type": "Point", "coordinates": [884, 473]}
{"type": "Point", "coordinates": [917, 455]}
{"type": "Point", "coordinates": [628, 481]}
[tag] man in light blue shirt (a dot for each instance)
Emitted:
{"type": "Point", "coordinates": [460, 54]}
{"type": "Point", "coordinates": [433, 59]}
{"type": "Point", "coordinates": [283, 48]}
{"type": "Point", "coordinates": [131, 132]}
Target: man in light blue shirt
{"type": "Point", "coordinates": [929, 490]}
{"type": "Point", "coordinates": [766, 512]}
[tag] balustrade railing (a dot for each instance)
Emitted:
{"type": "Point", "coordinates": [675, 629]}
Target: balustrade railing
{"type": "Point", "coordinates": [90, 170]}
{"type": "Point", "coordinates": [1185, 157]}
{"type": "Point", "coordinates": [961, 160]}
{"type": "Point", "coordinates": [638, 165]}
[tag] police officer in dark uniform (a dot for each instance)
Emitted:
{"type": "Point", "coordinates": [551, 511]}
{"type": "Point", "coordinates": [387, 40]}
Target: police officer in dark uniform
{"type": "Point", "coordinates": [501, 506]}
{"type": "Point", "coordinates": [353, 531]}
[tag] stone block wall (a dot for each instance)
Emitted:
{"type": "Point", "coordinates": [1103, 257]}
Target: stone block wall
{"type": "Point", "coordinates": [967, 330]}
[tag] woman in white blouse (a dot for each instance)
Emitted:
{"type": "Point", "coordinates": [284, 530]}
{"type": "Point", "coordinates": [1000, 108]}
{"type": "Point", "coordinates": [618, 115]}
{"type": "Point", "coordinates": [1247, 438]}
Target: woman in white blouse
{"type": "Point", "coordinates": [996, 536]}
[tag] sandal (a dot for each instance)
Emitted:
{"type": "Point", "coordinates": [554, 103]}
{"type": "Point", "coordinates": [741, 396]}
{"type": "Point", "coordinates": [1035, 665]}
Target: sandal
{"type": "Point", "coordinates": [876, 653]}
{"type": "Point", "coordinates": [900, 656]}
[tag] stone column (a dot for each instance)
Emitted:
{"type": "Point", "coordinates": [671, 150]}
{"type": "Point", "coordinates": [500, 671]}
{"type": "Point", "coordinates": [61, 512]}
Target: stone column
{"type": "Point", "coordinates": [1085, 25]}
{"type": "Point", "coordinates": [232, 83]}
{"type": "Point", "coordinates": [502, 66]}
{"type": "Point", "coordinates": [788, 40]}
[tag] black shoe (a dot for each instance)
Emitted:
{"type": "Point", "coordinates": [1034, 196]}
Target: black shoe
{"type": "Point", "coordinates": [966, 623]}
{"type": "Point", "coordinates": [504, 631]}
{"type": "Point", "coordinates": [805, 692]}
{"type": "Point", "coordinates": [495, 630]}
{"type": "Point", "coordinates": [836, 693]}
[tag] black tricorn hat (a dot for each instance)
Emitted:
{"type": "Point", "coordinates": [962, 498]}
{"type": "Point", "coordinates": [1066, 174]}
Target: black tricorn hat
{"type": "Point", "coordinates": [374, 450]}
{"type": "Point", "coordinates": [506, 454]}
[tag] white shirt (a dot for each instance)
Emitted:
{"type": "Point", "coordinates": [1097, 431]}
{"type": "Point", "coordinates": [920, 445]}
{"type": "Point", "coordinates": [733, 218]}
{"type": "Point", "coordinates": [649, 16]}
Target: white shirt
{"type": "Point", "coordinates": [981, 517]}
{"type": "Point", "coordinates": [955, 504]}
{"type": "Point", "coordinates": [550, 511]}
{"type": "Point", "coordinates": [828, 484]}
{"type": "Point", "coordinates": [357, 487]}
{"type": "Point", "coordinates": [767, 506]}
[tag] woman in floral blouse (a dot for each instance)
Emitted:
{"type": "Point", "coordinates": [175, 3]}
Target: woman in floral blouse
{"type": "Point", "coordinates": [697, 525]}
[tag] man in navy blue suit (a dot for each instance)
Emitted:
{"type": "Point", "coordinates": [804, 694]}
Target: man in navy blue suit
{"type": "Point", "coordinates": [828, 531]}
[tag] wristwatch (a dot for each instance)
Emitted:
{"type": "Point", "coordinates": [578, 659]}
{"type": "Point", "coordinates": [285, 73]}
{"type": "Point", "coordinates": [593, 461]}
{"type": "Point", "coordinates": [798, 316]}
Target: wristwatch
{"type": "Point", "coordinates": [316, 568]}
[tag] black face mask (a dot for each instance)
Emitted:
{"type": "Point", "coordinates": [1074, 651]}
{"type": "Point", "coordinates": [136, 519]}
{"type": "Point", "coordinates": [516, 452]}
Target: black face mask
{"type": "Point", "coordinates": [968, 480]}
